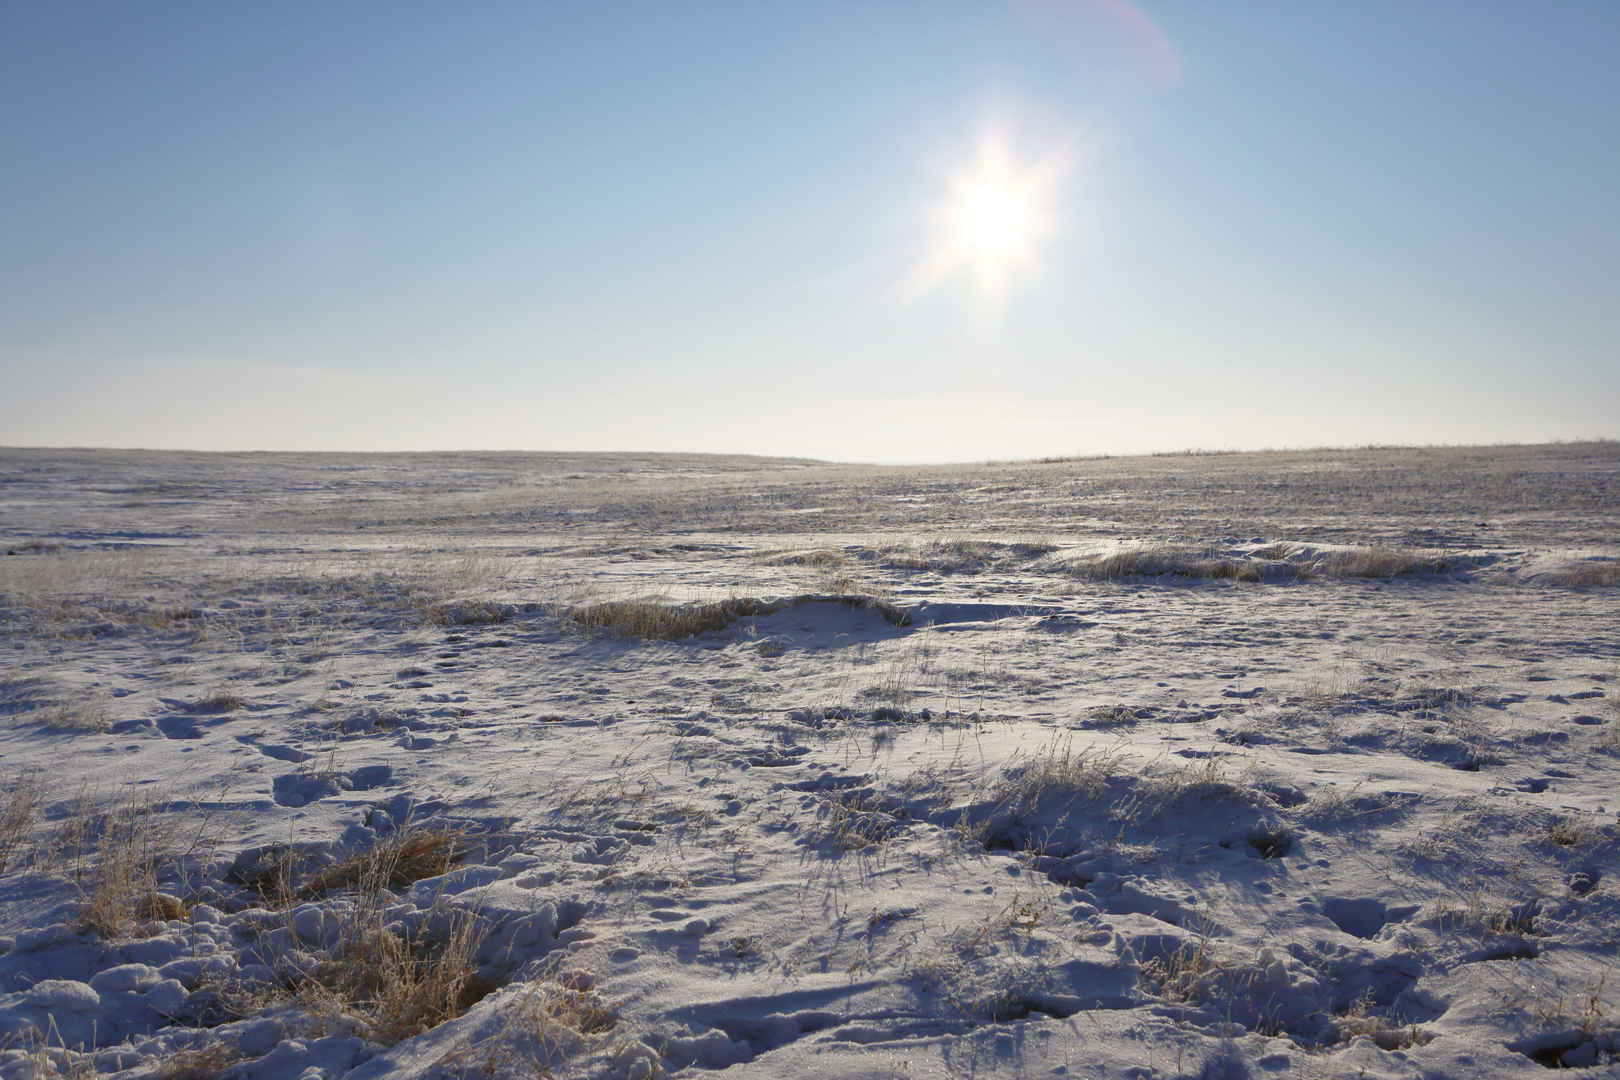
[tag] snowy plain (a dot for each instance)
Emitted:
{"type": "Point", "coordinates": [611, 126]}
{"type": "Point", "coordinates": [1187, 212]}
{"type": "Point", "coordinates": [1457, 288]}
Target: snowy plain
{"type": "Point", "coordinates": [1287, 764]}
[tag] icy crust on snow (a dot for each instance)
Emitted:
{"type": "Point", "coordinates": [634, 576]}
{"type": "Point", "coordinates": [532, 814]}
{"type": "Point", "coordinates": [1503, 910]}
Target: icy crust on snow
{"type": "Point", "coordinates": [1244, 765]}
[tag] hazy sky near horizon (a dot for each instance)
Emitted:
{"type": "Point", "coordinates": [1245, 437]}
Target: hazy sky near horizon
{"type": "Point", "coordinates": [897, 232]}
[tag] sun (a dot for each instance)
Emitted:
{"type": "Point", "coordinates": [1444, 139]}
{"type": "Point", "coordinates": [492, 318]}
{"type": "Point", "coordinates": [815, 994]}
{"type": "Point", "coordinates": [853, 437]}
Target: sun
{"type": "Point", "coordinates": [992, 221]}
{"type": "Point", "coordinates": [990, 224]}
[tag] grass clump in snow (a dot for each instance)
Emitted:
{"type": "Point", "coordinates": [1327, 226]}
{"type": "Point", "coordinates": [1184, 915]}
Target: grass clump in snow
{"type": "Point", "coordinates": [1274, 562]}
{"type": "Point", "coordinates": [221, 700]}
{"type": "Point", "coordinates": [1057, 770]}
{"type": "Point", "coordinates": [1385, 1032]}
{"type": "Point", "coordinates": [86, 715]}
{"type": "Point", "coordinates": [857, 820]}
{"type": "Point", "coordinates": [117, 857]}
{"type": "Point", "coordinates": [656, 620]}
{"type": "Point", "coordinates": [200, 1062]}
{"type": "Point", "coordinates": [1482, 914]}
{"type": "Point", "coordinates": [1595, 573]}
{"type": "Point", "coordinates": [1378, 562]}
{"type": "Point", "coordinates": [409, 855]}
{"type": "Point", "coordinates": [1163, 561]}
{"type": "Point", "coordinates": [1183, 973]}
{"type": "Point", "coordinates": [18, 812]}
{"type": "Point", "coordinates": [820, 558]}
{"type": "Point", "coordinates": [1163, 786]}
{"type": "Point", "coordinates": [1567, 832]}
{"type": "Point", "coordinates": [565, 1005]}
{"type": "Point", "coordinates": [554, 1020]}
{"type": "Point", "coordinates": [395, 979]}
{"type": "Point", "coordinates": [398, 985]}
{"type": "Point", "coordinates": [114, 856]}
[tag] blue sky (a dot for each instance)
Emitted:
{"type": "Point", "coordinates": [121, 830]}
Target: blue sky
{"type": "Point", "coordinates": [690, 227]}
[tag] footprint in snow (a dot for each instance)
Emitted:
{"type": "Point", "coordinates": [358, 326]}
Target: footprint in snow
{"type": "Point", "coordinates": [302, 788]}
{"type": "Point", "coordinates": [280, 753]}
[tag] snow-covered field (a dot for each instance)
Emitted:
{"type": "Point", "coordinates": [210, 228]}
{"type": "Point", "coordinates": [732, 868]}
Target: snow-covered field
{"type": "Point", "coordinates": [1263, 765]}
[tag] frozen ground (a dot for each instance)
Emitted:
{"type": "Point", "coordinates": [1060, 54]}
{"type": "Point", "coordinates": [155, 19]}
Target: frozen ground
{"type": "Point", "coordinates": [1269, 765]}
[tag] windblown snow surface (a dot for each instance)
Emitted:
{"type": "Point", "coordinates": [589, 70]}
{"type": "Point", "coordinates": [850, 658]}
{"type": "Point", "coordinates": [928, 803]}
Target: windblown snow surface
{"type": "Point", "coordinates": [1261, 765]}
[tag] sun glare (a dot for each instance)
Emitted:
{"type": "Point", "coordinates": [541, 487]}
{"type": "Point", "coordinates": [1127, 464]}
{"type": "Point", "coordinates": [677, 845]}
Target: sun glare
{"type": "Point", "coordinates": [990, 223]}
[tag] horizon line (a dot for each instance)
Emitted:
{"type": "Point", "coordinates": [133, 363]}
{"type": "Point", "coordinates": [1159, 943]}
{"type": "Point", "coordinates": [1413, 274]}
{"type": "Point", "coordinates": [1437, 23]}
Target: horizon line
{"type": "Point", "coordinates": [1041, 459]}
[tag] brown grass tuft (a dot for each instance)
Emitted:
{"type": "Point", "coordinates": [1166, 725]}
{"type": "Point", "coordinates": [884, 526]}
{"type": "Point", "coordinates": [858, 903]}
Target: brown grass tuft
{"type": "Point", "coordinates": [662, 622]}
{"type": "Point", "coordinates": [408, 856]}
{"type": "Point", "coordinates": [219, 701]}
{"type": "Point", "coordinates": [657, 621]}
{"type": "Point", "coordinates": [1057, 768]}
{"type": "Point", "coordinates": [397, 985]}
{"type": "Point", "coordinates": [89, 715]}
{"type": "Point", "coordinates": [1161, 562]}
{"type": "Point", "coordinates": [1181, 975]}
{"type": "Point", "coordinates": [1606, 573]}
{"type": "Point", "coordinates": [19, 812]}
{"type": "Point", "coordinates": [1379, 562]}
{"type": "Point", "coordinates": [118, 881]}
{"type": "Point", "coordinates": [1269, 563]}
{"type": "Point", "coordinates": [200, 1062]}
{"type": "Point", "coordinates": [552, 1004]}
{"type": "Point", "coordinates": [1567, 832]}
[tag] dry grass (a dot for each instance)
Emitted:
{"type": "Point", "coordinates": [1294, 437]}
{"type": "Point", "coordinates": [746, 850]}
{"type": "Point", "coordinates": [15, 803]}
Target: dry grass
{"type": "Point", "coordinates": [76, 592]}
{"type": "Point", "coordinates": [554, 1020]}
{"type": "Point", "coordinates": [118, 855]}
{"type": "Point", "coordinates": [35, 547]}
{"type": "Point", "coordinates": [221, 700]}
{"type": "Point", "coordinates": [440, 588]}
{"type": "Point", "coordinates": [857, 820]}
{"type": "Point", "coordinates": [45, 1061]}
{"type": "Point", "coordinates": [820, 558]}
{"type": "Point", "coordinates": [1586, 1013]}
{"type": "Point", "coordinates": [18, 813]}
{"type": "Point", "coordinates": [656, 620]}
{"type": "Point", "coordinates": [86, 715]}
{"type": "Point", "coordinates": [466, 613]}
{"type": "Point", "coordinates": [1057, 770]}
{"type": "Point", "coordinates": [1114, 715]}
{"type": "Point", "coordinates": [1335, 804]}
{"type": "Point", "coordinates": [1182, 975]}
{"type": "Point", "coordinates": [1386, 1033]}
{"type": "Point", "coordinates": [411, 854]}
{"type": "Point", "coordinates": [1477, 912]}
{"type": "Point", "coordinates": [200, 1063]}
{"type": "Point", "coordinates": [1204, 779]}
{"type": "Point", "coordinates": [397, 985]}
{"type": "Point", "coordinates": [1378, 562]}
{"type": "Point", "coordinates": [1275, 562]}
{"type": "Point", "coordinates": [551, 1004]}
{"type": "Point", "coordinates": [118, 883]}
{"type": "Point", "coordinates": [1567, 832]}
{"type": "Point", "coordinates": [1163, 562]}
{"type": "Point", "coordinates": [1599, 573]}
{"type": "Point", "coordinates": [83, 593]}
